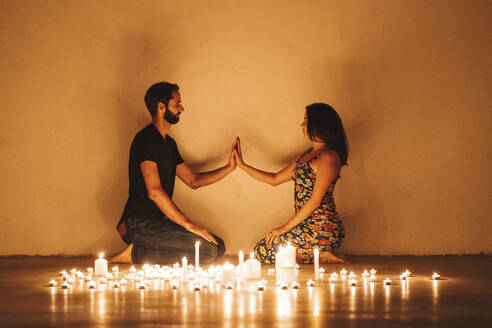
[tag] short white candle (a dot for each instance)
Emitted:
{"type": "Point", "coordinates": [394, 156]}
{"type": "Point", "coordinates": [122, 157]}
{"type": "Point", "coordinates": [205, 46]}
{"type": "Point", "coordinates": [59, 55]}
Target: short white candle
{"type": "Point", "coordinates": [284, 285]}
{"type": "Point", "coordinates": [372, 278]}
{"type": "Point", "coordinates": [310, 283]}
{"type": "Point", "coordinates": [436, 276]}
{"type": "Point", "coordinates": [53, 283]}
{"type": "Point", "coordinates": [295, 285]}
{"type": "Point", "coordinates": [343, 272]}
{"type": "Point", "coordinates": [229, 285]}
{"type": "Point", "coordinates": [116, 284]}
{"type": "Point", "coordinates": [228, 273]}
{"type": "Point", "coordinates": [91, 284]}
{"type": "Point", "coordinates": [142, 285]}
{"type": "Point", "coordinates": [352, 275]}
{"type": "Point", "coordinates": [372, 272]}
{"type": "Point", "coordinates": [316, 264]}
{"type": "Point", "coordinates": [197, 255]}
{"type": "Point", "coordinates": [403, 277]}
{"type": "Point", "coordinates": [353, 282]}
{"type": "Point", "coordinates": [290, 252]}
{"type": "Point", "coordinates": [64, 285]}
{"type": "Point", "coordinates": [101, 265]}
{"type": "Point", "coordinates": [252, 268]}
{"type": "Point", "coordinates": [260, 286]}
{"type": "Point", "coordinates": [407, 273]}
{"type": "Point", "coordinates": [365, 274]}
{"type": "Point", "coordinates": [387, 282]}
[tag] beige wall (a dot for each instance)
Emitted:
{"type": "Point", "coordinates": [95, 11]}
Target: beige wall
{"type": "Point", "coordinates": [411, 80]}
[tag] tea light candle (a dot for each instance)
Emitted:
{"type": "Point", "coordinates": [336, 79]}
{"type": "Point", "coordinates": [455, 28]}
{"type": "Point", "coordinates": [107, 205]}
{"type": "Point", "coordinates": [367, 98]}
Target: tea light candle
{"type": "Point", "coordinates": [174, 284]}
{"type": "Point", "coordinates": [321, 270]}
{"type": "Point", "coordinates": [310, 283]}
{"type": "Point", "coordinates": [252, 268]}
{"type": "Point", "coordinates": [91, 284]}
{"type": "Point", "coordinates": [387, 282]}
{"type": "Point", "coordinates": [436, 276]}
{"type": "Point", "coordinates": [196, 287]}
{"type": "Point", "coordinates": [334, 275]}
{"type": "Point", "coordinates": [103, 280]}
{"type": "Point", "coordinates": [142, 285]}
{"type": "Point", "coordinates": [284, 285]}
{"type": "Point", "coordinates": [123, 282]}
{"type": "Point", "coordinates": [64, 285]}
{"type": "Point", "coordinates": [343, 272]}
{"type": "Point", "coordinates": [73, 271]}
{"type": "Point", "coordinates": [260, 286]}
{"type": "Point", "coordinates": [116, 284]}
{"type": "Point", "coordinates": [295, 285]}
{"type": "Point", "coordinates": [63, 273]}
{"type": "Point", "coordinates": [365, 274]}
{"type": "Point", "coordinates": [372, 278]}
{"type": "Point", "coordinates": [115, 269]}
{"type": "Point", "coordinates": [352, 275]}
{"type": "Point", "coordinates": [403, 277]}
{"type": "Point", "coordinates": [197, 255]}
{"type": "Point", "coordinates": [353, 282]}
{"type": "Point", "coordinates": [101, 265]}
{"type": "Point", "coordinates": [90, 270]}
{"type": "Point", "coordinates": [53, 283]}
{"type": "Point", "coordinates": [372, 272]}
{"type": "Point", "coordinates": [332, 279]}
{"type": "Point", "coordinates": [407, 273]}
{"type": "Point", "coordinates": [229, 285]}
{"type": "Point", "coordinates": [316, 264]}
{"type": "Point", "coordinates": [132, 269]}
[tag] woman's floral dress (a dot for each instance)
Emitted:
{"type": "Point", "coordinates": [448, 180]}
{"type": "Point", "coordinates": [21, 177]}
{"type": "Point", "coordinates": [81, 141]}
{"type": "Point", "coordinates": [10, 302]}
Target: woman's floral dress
{"type": "Point", "coordinates": [322, 229]}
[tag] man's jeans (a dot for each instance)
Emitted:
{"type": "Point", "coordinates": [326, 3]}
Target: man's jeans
{"type": "Point", "coordinates": [160, 240]}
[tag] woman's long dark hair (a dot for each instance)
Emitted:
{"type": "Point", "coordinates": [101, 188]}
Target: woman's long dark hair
{"type": "Point", "coordinates": [324, 125]}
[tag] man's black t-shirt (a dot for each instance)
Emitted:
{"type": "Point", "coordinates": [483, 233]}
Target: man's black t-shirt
{"type": "Point", "coordinates": [149, 145]}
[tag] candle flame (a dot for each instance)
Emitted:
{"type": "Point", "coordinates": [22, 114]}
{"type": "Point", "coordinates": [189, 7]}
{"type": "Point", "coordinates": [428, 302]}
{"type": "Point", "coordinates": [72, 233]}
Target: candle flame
{"type": "Point", "coordinates": [101, 255]}
{"type": "Point", "coordinates": [197, 244]}
{"type": "Point", "coordinates": [251, 255]}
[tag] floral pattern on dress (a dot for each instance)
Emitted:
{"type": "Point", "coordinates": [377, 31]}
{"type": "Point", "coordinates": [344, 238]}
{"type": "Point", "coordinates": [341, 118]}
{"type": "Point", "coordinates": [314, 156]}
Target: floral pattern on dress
{"type": "Point", "coordinates": [322, 229]}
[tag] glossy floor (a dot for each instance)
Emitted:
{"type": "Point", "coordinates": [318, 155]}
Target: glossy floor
{"type": "Point", "coordinates": [462, 298]}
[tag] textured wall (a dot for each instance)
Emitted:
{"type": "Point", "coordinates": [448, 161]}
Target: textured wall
{"type": "Point", "coordinates": [411, 80]}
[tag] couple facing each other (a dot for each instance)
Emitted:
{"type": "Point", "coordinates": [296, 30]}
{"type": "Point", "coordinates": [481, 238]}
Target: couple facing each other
{"type": "Point", "coordinates": [157, 231]}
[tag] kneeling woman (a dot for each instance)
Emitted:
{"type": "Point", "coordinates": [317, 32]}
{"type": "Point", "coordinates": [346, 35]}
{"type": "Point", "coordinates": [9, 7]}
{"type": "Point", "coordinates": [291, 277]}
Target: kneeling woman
{"type": "Point", "coordinates": [315, 172]}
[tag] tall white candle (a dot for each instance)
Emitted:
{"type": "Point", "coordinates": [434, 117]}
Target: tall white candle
{"type": "Point", "coordinates": [241, 261]}
{"type": "Point", "coordinates": [316, 264]}
{"type": "Point", "coordinates": [184, 261]}
{"type": "Point", "coordinates": [290, 254]}
{"type": "Point", "coordinates": [228, 274]}
{"type": "Point", "coordinates": [101, 266]}
{"type": "Point", "coordinates": [279, 259]}
{"type": "Point", "coordinates": [287, 273]}
{"type": "Point", "coordinates": [197, 255]}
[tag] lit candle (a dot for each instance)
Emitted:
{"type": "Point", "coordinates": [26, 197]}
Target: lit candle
{"type": "Point", "coordinates": [332, 279]}
{"type": "Point", "coordinates": [334, 275]}
{"type": "Point", "coordinates": [174, 284]}
{"type": "Point", "coordinates": [184, 262]}
{"type": "Point", "coordinates": [353, 282]}
{"type": "Point", "coordinates": [142, 285]}
{"type": "Point", "coordinates": [290, 252]}
{"type": "Point", "coordinates": [240, 267]}
{"type": "Point", "coordinates": [90, 270]}
{"type": "Point", "coordinates": [365, 274]}
{"type": "Point", "coordinates": [115, 269]}
{"type": "Point", "coordinates": [64, 285]}
{"type": "Point", "coordinates": [228, 273]}
{"type": "Point", "coordinates": [197, 255]}
{"type": "Point", "coordinates": [260, 286]}
{"type": "Point", "coordinates": [287, 273]}
{"type": "Point", "coordinates": [372, 272]}
{"type": "Point", "coordinates": [116, 284]}
{"type": "Point", "coordinates": [271, 271]}
{"type": "Point", "coordinates": [310, 283]}
{"type": "Point", "coordinates": [63, 273]}
{"type": "Point", "coordinates": [91, 284]}
{"type": "Point", "coordinates": [295, 285]}
{"type": "Point", "coordinates": [53, 283]}
{"type": "Point", "coordinates": [123, 282]}
{"type": "Point", "coordinates": [403, 277]}
{"type": "Point", "coordinates": [407, 273]}
{"type": "Point", "coordinates": [196, 287]}
{"type": "Point", "coordinates": [436, 276]}
{"type": "Point", "coordinates": [229, 285]}
{"type": "Point", "coordinates": [132, 269]}
{"type": "Point", "coordinates": [316, 264]}
{"type": "Point", "coordinates": [101, 265]}
{"type": "Point", "coordinates": [252, 268]}
{"type": "Point", "coordinates": [387, 282]}
{"type": "Point", "coordinates": [88, 277]}
{"type": "Point", "coordinates": [103, 280]}
{"type": "Point", "coordinates": [284, 285]}
{"type": "Point", "coordinates": [73, 271]}
{"type": "Point", "coordinates": [321, 270]}
{"type": "Point", "coordinates": [352, 275]}
{"type": "Point", "coordinates": [343, 272]}
{"type": "Point", "coordinates": [372, 278]}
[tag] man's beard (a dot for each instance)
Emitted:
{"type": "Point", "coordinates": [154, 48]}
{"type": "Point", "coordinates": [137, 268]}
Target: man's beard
{"type": "Point", "coordinates": [170, 117]}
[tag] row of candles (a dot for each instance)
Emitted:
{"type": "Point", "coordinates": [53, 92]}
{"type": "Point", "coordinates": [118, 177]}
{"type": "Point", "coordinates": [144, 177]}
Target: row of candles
{"type": "Point", "coordinates": [285, 270]}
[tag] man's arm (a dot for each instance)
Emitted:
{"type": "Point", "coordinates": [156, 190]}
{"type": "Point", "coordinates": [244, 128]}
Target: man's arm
{"type": "Point", "coordinates": [166, 205]}
{"type": "Point", "coordinates": [196, 180]}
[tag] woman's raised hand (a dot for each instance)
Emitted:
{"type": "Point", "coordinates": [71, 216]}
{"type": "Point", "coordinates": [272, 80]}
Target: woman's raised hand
{"type": "Point", "coordinates": [236, 148]}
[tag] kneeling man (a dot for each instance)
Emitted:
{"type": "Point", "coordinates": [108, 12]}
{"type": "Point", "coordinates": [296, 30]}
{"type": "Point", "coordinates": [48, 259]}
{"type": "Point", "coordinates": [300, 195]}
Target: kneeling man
{"type": "Point", "coordinates": [154, 228]}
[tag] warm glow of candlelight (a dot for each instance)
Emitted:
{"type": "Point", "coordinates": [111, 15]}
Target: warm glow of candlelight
{"type": "Point", "coordinates": [101, 255]}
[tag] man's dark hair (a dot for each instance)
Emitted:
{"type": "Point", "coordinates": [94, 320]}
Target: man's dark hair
{"type": "Point", "coordinates": [159, 92]}
{"type": "Point", "coordinates": [324, 125]}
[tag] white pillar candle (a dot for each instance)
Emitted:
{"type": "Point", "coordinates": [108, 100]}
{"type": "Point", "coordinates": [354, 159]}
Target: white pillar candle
{"type": "Point", "coordinates": [184, 262]}
{"type": "Point", "coordinates": [279, 256]}
{"type": "Point", "coordinates": [252, 268]}
{"type": "Point", "coordinates": [228, 274]}
{"type": "Point", "coordinates": [316, 264]}
{"type": "Point", "coordinates": [290, 252]}
{"type": "Point", "coordinates": [197, 255]}
{"type": "Point", "coordinates": [101, 266]}
{"type": "Point", "coordinates": [241, 262]}
{"type": "Point", "coordinates": [287, 273]}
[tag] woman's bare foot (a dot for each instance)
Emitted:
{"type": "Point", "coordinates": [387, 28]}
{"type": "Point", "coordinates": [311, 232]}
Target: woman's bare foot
{"type": "Point", "coordinates": [329, 257]}
{"type": "Point", "coordinates": [123, 257]}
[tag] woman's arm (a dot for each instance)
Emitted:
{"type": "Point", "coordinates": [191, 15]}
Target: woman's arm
{"type": "Point", "coordinates": [328, 169]}
{"type": "Point", "coordinates": [273, 179]}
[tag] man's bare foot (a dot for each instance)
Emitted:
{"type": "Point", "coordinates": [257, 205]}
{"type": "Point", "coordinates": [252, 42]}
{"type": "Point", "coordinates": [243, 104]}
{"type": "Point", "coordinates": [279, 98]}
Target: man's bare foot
{"type": "Point", "coordinates": [123, 257]}
{"type": "Point", "coordinates": [329, 257]}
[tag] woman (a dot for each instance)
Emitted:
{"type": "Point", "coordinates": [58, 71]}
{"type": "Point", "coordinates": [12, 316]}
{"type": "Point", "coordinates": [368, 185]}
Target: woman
{"type": "Point", "coordinates": [315, 222]}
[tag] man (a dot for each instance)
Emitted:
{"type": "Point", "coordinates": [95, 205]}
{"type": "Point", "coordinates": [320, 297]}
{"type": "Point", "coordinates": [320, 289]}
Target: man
{"type": "Point", "coordinates": [154, 228]}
